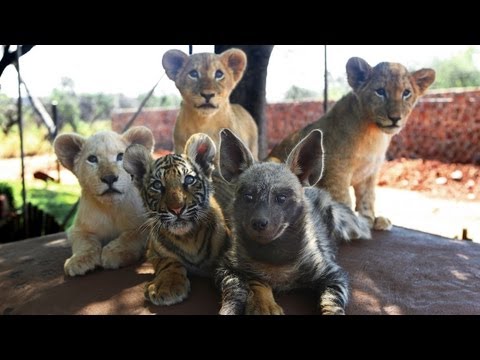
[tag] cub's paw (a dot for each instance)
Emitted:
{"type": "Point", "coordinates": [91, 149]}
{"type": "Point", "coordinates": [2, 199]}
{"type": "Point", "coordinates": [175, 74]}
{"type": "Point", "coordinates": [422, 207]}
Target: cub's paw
{"type": "Point", "coordinates": [382, 223]}
{"type": "Point", "coordinates": [80, 264]}
{"type": "Point", "coordinates": [114, 257]}
{"type": "Point", "coordinates": [229, 309]}
{"type": "Point", "coordinates": [257, 306]}
{"type": "Point", "coordinates": [165, 290]}
{"type": "Point", "coordinates": [332, 310]}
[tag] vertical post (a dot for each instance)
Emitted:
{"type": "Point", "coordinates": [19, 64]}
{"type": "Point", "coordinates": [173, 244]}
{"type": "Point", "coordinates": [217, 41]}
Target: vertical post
{"type": "Point", "coordinates": [325, 88]}
{"type": "Point", "coordinates": [20, 127]}
{"type": "Point", "coordinates": [55, 133]}
{"type": "Point", "coordinates": [190, 49]}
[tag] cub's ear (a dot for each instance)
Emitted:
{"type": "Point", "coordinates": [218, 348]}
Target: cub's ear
{"type": "Point", "coordinates": [306, 158]}
{"type": "Point", "coordinates": [236, 60]}
{"type": "Point", "coordinates": [67, 148]}
{"type": "Point", "coordinates": [235, 157]}
{"type": "Point", "coordinates": [358, 72]}
{"type": "Point", "coordinates": [201, 149]}
{"type": "Point", "coordinates": [136, 161]}
{"type": "Point", "coordinates": [423, 78]}
{"type": "Point", "coordinates": [173, 61]}
{"type": "Point", "coordinates": [140, 135]}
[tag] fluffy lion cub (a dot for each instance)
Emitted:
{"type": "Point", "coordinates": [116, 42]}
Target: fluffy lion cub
{"type": "Point", "coordinates": [106, 229]}
{"type": "Point", "coordinates": [358, 130]}
{"type": "Point", "coordinates": [206, 81]}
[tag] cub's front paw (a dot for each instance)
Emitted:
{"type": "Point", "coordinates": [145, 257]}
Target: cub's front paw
{"type": "Point", "coordinates": [80, 264]}
{"type": "Point", "coordinates": [256, 306]}
{"type": "Point", "coordinates": [165, 290]}
{"type": "Point", "coordinates": [114, 257]}
{"type": "Point", "coordinates": [382, 223]}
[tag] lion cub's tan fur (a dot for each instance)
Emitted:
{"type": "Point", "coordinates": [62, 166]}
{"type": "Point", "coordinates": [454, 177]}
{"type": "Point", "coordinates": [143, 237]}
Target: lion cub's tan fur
{"type": "Point", "coordinates": [358, 130]}
{"type": "Point", "coordinates": [110, 212]}
{"type": "Point", "coordinates": [206, 81]}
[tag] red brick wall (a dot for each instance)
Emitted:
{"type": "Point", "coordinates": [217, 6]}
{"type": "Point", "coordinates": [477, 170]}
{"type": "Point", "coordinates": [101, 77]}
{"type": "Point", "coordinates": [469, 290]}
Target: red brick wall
{"type": "Point", "coordinates": [158, 120]}
{"type": "Point", "coordinates": [443, 126]}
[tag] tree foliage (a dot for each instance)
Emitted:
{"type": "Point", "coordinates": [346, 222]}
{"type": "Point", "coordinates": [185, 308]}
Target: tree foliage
{"type": "Point", "coordinates": [458, 71]}
{"type": "Point", "coordinates": [299, 93]}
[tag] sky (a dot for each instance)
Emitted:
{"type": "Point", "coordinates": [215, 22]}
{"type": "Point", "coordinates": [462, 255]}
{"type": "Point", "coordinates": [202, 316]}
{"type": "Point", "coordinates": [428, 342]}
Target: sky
{"type": "Point", "coordinates": [134, 69]}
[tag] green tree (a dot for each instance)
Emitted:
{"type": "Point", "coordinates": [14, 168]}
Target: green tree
{"type": "Point", "coordinates": [95, 106]}
{"type": "Point", "coordinates": [458, 71]}
{"type": "Point", "coordinates": [163, 101]}
{"type": "Point", "coordinates": [68, 104]}
{"type": "Point", "coordinates": [298, 93]}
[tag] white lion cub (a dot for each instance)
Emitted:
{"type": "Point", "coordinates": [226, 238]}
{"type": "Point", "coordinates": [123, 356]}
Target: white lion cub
{"type": "Point", "coordinates": [106, 231]}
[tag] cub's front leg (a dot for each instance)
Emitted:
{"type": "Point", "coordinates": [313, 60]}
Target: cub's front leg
{"type": "Point", "coordinates": [170, 284]}
{"type": "Point", "coordinates": [86, 251]}
{"type": "Point", "coordinates": [124, 250]}
{"type": "Point", "coordinates": [234, 290]}
{"type": "Point", "coordinates": [365, 204]}
{"type": "Point", "coordinates": [333, 288]}
{"type": "Point", "coordinates": [260, 300]}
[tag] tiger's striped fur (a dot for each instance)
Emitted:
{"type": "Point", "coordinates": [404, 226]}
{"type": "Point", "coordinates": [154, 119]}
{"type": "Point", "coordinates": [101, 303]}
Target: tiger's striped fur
{"type": "Point", "coordinates": [186, 227]}
{"type": "Point", "coordinates": [284, 231]}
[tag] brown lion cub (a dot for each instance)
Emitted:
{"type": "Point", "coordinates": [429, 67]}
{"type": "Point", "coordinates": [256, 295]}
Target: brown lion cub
{"type": "Point", "coordinates": [206, 81]}
{"type": "Point", "coordinates": [358, 130]}
{"type": "Point", "coordinates": [106, 228]}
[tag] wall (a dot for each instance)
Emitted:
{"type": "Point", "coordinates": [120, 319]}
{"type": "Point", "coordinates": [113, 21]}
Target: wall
{"type": "Point", "coordinates": [444, 125]}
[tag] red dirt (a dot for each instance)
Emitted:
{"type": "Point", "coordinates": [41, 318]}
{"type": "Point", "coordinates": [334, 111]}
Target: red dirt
{"type": "Point", "coordinates": [433, 178]}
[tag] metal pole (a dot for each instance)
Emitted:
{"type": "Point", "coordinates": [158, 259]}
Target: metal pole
{"type": "Point", "coordinates": [190, 49]}
{"type": "Point", "coordinates": [20, 126]}
{"type": "Point", "coordinates": [325, 89]}
{"type": "Point", "coordinates": [55, 133]}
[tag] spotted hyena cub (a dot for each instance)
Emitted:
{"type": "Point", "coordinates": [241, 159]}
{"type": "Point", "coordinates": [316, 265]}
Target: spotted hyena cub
{"type": "Point", "coordinates": [284, 230]}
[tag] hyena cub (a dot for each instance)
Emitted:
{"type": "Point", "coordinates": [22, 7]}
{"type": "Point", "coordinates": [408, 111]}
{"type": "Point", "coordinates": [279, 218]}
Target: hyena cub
{"type": "Point", "coordinates": [186, 227]}
{"type": "Point", "coordinates": [284, 230]}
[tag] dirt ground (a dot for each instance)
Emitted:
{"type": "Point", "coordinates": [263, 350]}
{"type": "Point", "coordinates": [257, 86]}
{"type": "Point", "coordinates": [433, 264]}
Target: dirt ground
{"type": "Point", "coordinates": [425, 195]}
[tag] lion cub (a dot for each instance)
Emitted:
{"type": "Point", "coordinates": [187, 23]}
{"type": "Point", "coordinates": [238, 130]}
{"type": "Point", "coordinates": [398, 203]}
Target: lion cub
{"type": "Point", "coordinates": [106, 228]}
{"type": "Point", "coordinates": [206, 81]}
{"type": "Point", "coordinates": [358, 130]}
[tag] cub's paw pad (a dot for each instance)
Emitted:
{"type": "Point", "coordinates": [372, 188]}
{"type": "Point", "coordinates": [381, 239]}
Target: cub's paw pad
{"type": "Point", "coordinates": [382, 223]}
{"type": "Point", "coordinates": [167, 291]}
{"type": "Point", "coordinates": [80, 264]}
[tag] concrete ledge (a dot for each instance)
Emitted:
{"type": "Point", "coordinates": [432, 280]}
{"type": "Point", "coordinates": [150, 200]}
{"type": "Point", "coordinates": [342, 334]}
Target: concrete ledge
{"type": "Point", "coordinates": [398, 272]}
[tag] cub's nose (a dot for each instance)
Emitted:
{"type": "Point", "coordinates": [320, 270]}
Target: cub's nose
{"type": "Point", "coordinates": [394, 118]}
{"type": "Point", "coordinates": [259, 224]}
{"type": "Point", "coordinates": [207, 97]}
{"type": "Point", "coordinates": [109, 179]}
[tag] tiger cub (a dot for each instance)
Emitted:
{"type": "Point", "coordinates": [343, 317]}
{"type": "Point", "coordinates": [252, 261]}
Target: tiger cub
{"type": "Point", "coordinates": [185, 223]}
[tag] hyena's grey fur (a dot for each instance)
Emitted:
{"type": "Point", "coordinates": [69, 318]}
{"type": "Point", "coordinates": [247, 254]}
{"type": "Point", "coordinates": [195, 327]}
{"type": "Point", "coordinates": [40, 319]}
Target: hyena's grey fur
{"type": "Point", "coordinates": [284, 230]}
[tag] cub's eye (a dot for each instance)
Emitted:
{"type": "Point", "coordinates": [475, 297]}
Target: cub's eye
{"type": "Point", "coordinates": [248, 197]}
{"type": "Point", "coordinates": [157, 185]}
{"type": "Point", "coordinates": [92, 159]}
{"type": "Point", "coordinates": [219, 75]}
{"type": "Point", "coordinates": [281, 199]}
{"type": "Point", "coordinates": [189, 180]}
{"type": "Point", "coordinates": [193, 74]}
{"type": "Point", "coordinates": [380, 92]}
{"type": "Point", "coordinates": [120, 157]}
{"type": "Point", "coordinates": [406, 94]}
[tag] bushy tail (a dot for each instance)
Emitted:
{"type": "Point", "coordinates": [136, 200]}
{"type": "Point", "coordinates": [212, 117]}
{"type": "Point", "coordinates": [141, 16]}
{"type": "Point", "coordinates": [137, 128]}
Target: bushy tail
{"type": "Point", "coordinates": [347, 225]}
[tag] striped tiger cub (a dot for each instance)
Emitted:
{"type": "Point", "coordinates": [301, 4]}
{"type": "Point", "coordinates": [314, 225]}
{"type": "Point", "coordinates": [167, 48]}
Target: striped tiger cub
{"type": "Point", "coordinates": [185, 223]}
